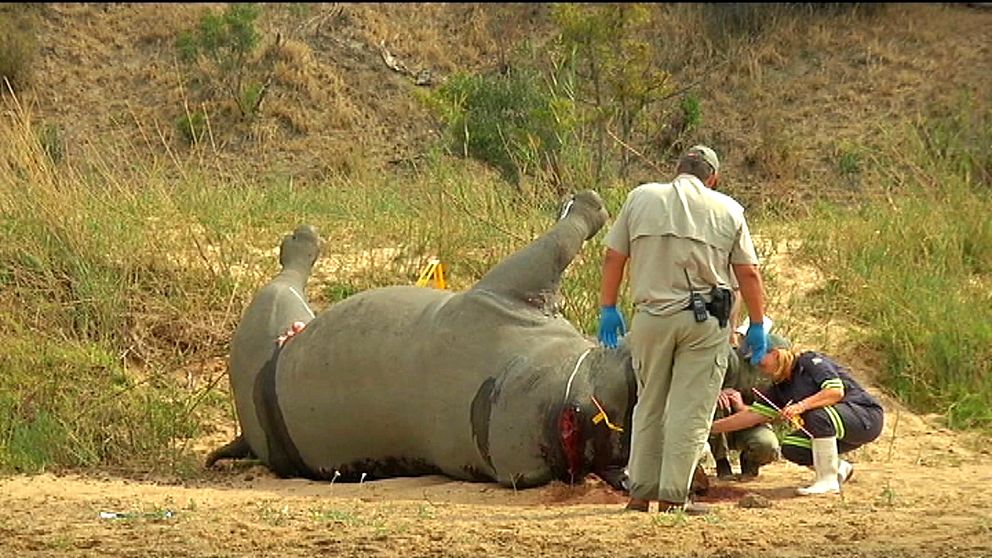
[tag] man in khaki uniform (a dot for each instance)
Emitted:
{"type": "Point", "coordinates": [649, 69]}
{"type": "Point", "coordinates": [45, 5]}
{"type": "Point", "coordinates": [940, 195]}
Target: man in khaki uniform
{"type": "Point", "coordinates": [681, 238]}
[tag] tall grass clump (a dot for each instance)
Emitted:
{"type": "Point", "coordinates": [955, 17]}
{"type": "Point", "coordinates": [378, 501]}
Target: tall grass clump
{"type": "Point", "coordinates": [115, 281]}
{"type": "Point", "coordinates": [729, 22]}
{"type": "Point", "coordinates": [73, 404]}
{"type": "Point", "coordinates": [18, 48]}
{"type": "Point", "coordinates": [917, 269]}
{"type": "Point", "coordinates": [120, 282]}
{"type": "Point", "coordinates": [79, 274]}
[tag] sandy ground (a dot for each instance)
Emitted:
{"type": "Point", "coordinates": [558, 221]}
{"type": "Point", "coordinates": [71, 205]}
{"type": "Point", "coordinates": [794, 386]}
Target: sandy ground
{"type": "Point", "coordinates": [919, 490]}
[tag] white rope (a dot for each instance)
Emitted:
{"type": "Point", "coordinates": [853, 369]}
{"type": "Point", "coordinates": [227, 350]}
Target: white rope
{"type": "Point", "coordinates": [578, 363]}
{"type": "Point", "coordinates": [305, 305]}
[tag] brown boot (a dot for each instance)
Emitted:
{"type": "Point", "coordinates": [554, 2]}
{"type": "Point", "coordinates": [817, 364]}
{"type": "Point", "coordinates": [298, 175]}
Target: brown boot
{"type": "Point", "coordinates": [749, 469]}
{"type": "Point", "coordinates": [636, 504]}
{"type": "Point", "coordinates": [723, 469]}
{"type": "Point", "coordinates": [690, 508]}
{"type": "Point", "coordinates": [700, 482]}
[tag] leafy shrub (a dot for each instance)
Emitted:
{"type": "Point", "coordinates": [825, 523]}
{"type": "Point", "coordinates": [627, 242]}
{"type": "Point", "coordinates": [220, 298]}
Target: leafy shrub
{"type": "Point", "coordinates": [616, 74]}
{"type": "Point", "coordinates": [228, 39]}
{"type": "Point", "coordinates": [192, 127]}
{"type": "Point", "coordinates": [505, 120]}
{"type": "Point", "coordinates": [692, 112]}
{"type": "Point", "coordinates": [849, 162]}
{"type": "Point", "coordinates": [225, 44]}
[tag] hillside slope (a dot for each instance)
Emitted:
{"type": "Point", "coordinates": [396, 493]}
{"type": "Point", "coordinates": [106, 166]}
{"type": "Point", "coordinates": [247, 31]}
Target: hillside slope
{"type": "Point", "coordinates": [783, 108]}
{"type": "Point", "coordinates": [108, 76]}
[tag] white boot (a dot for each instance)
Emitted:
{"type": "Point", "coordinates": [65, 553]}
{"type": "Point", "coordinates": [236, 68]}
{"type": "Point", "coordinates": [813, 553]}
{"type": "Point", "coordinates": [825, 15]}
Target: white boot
{"type": "Point", "coordinates": [844, 471]}
{"type": "Point", "coordinates": [825, 464]}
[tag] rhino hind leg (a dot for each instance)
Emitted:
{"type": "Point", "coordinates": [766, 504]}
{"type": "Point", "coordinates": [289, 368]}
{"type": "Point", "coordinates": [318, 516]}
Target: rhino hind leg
{"type": "Point", "coordinates": [235, 449]}
{"type": "Point", "coordinates": [533, 273]}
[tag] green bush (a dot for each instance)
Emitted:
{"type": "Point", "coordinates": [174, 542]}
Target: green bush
{"type": "Point", "coordinates": [192, 127]}
{"type": "Point", "coordinates": [229, 38]}
{"type": "Point", "coordinates": [227, 43]}
{"type": "Point", "coordinates": [849, 162]}
{"type": "Point", "coordinates": [506, 120]}
{"type": "Point", "coordinates": [692, 112]}
{"type": "Point", "coordinates": [615, 77]}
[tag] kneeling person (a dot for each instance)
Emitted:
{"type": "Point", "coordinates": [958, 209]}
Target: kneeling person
{"type": "Point", "coordinates": [757, 445]}
{"type": "Point", "coordinates": [832, 412]}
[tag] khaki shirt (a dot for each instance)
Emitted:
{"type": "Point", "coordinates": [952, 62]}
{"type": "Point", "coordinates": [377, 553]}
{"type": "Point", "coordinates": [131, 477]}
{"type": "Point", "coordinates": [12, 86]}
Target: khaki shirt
{"type": "Point", "coordinates": [672, 230]}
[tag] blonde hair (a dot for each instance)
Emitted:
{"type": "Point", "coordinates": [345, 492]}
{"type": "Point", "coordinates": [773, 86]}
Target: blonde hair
{"type": "Point", "coordinates": [786, 360]}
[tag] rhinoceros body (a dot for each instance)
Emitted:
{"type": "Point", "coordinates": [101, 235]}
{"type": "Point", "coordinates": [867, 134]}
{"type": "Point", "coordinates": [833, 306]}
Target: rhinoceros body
{"type": "Point", "coordinates": [485, 384]}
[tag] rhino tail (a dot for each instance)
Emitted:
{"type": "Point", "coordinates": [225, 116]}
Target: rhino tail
{"type": "Point", "coordinates": [235, 449]}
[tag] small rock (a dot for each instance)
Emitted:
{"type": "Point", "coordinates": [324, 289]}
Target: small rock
{"type": "Point", "coordinates": [424, 78]}
{"type": "Point", "coordinates": [752, 500]}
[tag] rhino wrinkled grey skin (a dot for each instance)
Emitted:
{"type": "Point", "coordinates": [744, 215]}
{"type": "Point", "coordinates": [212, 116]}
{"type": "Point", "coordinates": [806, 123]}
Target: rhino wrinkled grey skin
{"type": "Point", "coordinates": [489, 384]}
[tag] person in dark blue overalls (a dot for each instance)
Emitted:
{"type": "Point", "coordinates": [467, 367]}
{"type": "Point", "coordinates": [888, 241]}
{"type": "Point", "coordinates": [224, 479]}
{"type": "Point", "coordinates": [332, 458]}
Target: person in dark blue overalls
{"type": "Point", "coordinates": [832, 413]}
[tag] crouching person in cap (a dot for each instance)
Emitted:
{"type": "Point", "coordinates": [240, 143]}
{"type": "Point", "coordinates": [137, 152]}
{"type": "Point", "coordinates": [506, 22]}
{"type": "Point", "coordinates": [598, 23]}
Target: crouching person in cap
{"type": "Point", "coordinates": [832, 414]}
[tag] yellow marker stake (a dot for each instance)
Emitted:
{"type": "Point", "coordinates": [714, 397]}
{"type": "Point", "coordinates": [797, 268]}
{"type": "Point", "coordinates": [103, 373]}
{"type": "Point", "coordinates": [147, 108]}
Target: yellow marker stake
{"type": "Point", "coordinates": [434, 270]}
{"type": "Point", "coordinates": [601, 416]}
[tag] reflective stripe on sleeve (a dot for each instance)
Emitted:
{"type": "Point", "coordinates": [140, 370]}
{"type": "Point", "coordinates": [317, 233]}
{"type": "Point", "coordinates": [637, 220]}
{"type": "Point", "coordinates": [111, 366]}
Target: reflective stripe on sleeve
{"type": "Point", "coordinates": [764, 410]}
{"type": "Point", "coordinates": [833, 383]}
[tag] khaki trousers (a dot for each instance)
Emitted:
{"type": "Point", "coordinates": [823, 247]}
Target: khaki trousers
{"type": "Point", "coordinates": [757, 444]}
{"type": "Point", "coordinates": [679, 364]}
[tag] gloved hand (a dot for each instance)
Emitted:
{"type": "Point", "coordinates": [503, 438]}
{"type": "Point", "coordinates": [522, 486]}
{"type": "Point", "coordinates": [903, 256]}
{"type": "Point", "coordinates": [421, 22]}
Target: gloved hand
{"type": "Point", "coordinates": [610, 324]}
{"type": "Point", "coordinates": [757, 342]}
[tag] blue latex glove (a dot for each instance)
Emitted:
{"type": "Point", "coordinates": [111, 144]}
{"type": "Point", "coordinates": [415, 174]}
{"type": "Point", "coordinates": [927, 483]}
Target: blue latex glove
{"type": "Point", "coordinates": [757, 342]}
{"type": "Point", "coordinates": [610, 324]}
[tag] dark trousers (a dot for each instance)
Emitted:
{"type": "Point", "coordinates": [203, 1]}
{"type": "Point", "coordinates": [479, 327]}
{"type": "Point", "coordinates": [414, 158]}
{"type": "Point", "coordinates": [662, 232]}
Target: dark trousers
{"type": "Point", "coordinates": [854, 426]}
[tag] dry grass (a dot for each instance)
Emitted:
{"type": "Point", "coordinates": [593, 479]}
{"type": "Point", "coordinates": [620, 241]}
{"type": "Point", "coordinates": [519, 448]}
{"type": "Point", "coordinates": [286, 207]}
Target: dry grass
{"type": "Point", "coordinates": [18, 48]}
{"type": "Point", "coordinates": [813, 87]}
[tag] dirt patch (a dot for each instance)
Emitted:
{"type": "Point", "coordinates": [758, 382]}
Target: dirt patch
{"type": "Point", "coordinates": [723, 493]}
{"type": "Point", "coordinates": [920, 490]}
{"type": "Point", "coordinates": [592, 491]}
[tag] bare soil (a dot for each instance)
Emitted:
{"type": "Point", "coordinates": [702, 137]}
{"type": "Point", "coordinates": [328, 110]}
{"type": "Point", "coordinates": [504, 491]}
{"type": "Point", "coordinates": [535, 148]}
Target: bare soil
{"type": "Point", "coordinates": [920, 490]}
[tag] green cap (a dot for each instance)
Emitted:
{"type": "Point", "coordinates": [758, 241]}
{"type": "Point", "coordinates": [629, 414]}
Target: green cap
{"type": "Point", "coordinates": [776, 342]}
{"type": "Point", "coordinates": [705, 153]}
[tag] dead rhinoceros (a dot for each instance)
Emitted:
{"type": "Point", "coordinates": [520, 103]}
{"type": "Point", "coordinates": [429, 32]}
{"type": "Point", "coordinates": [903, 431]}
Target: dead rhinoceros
{"type": "Point", "coordinates": [485, 384]}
